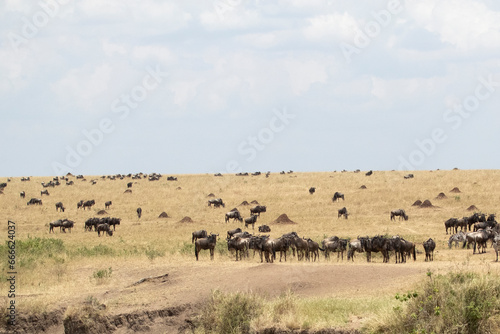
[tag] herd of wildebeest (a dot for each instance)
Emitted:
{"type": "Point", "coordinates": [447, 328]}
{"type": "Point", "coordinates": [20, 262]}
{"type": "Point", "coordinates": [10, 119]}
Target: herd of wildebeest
{"type": "Point", "coordinates": [475, 231]}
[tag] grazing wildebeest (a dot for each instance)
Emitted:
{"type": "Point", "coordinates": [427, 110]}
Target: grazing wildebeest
{"type": "Point", "coordinates": [67, 224]}
{"type": "Point", "coordinates": [79, 204]}
{"type": "Point", "coordinates": [139, 212]}
{"type": "Point", "coordinates": [456, 238]}
{"type": "Point", "coordinates": [216, 202]}
{"type": "Point", "coordinates": [198, 235]}
{"type": "Point", "coordinates": [44, 192]}
{"type": "Point", "coordinates": [36, 201]}
{"type": "Point", "coordinates": [70, 183]}
{"type": "Point", "coordinates": [429, 247]}
{"type": "Point", "coordinates": [59, 206]}
{"type": "Point", "coordinates": [343, 212]}
{"type": "Point", "coordinates": [399, 212]}
{"type": "Point", "coordinates": [104, 228]}
{"type": "Point", "coordinates": [256, 210]}
{"type": "Point", "coordinates": [88, 204]}
{"type": "Point", "coordinates": [240, 245]}
{"type": "Point", "coordinates": [369, 173]}
{"type": "Point", "coordinates": [312, 190]}
{"type": "Point", "coordinates": [22, 194]}
{"type": "Point", "coordinates": [206, 243]}
{"type": "Point", "coordinates": [171, 178]}
{"type": "Point", "coordinates": [235, 215]}
{"type": "Point", "coordinates": [57, 223]}
{"type": "Point", "coordinates": [354, 246]}
{"type": "Point", "coordinates": [478, 239]}
{"type": "Point", "coordinates": [408, 176]}
{"type": "Point", "coordinates": [91, 223]}
{"type": "Point", "coordinates": [107, 204]}
{"type": "Point", "coordinates": [230, 233]}
{"type": "Point", "coordinates": [111, 222]}
{"type": "Point", "coordinates": [129, 185]}
{"type": "Point", "coordinates": [264, 228]}
{"type": "Point", "coordinates": [337, 196]}
{"type": "Point", "coordinates": [450, 224]}
{"type": "Point", "coordinates": [251, 221]}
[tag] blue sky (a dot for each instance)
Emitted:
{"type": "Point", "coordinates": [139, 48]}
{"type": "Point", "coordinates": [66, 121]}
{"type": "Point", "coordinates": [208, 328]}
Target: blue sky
{"type": "Point", "coordinates": [105, 87]}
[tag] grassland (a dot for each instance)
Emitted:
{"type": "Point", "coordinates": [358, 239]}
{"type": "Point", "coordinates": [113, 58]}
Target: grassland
{"type": "Point", "coordinates": [64, 269]}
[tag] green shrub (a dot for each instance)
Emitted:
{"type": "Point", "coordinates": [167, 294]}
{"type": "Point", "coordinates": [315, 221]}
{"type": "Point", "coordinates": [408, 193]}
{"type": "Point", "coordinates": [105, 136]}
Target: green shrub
{"type": "Point", "coordinates": [461, 302]}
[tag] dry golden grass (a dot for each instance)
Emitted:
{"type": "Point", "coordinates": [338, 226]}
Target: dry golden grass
{"type": "Point", "coordinates": [144, 247]}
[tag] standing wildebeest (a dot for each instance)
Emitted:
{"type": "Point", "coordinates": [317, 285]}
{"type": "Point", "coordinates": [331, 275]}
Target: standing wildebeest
{"type": "Point", "coordinates": [334, 244]}
{"type": "Point", "coordinates": [354, 246]}
{"type": "Point", "coordinates": [107, 204]}
{"type": "Point", "coordinates": [235, 215]}
{"type": "Point", "coordinates": [429, 247]}
{"type": "Point", "coordinates": [111, 222]}
{"type": "Point", "coordinates": [312, 190]}
{"type": "Point", "coordinates": [478, 239]}
{"type": "Point", "coordinates": [59, 206]}
{"type": "Point", "coordinates": [451, 224]}
{"type": "Point", "coordinates": [313, 248]}
{"type": "Point", "coordinates": [343, 212]}
{"type": "Point", "coordinates": [206, 243]}
{"type": "Point", "coordinates": [91, 223]}
{"type": "Point", "coordinates": [240, 245]}
{"type": "Point", "coordinates": [22, 194]}
{"type": "Point", "coordinates": [281, 245]}
{"type": "Point", "coordinates": [57, 223]}
{"type": "Point", "coordinates": [139, 212]}
{"type": "Point", "coordinates": [44, 192]}
{"type": "Point", "coordinates": [88, 204]}
{"type": "Point", "coordinates": [104, 228]}
{"type": "Point", "coordinates": [399, 212]}
{"type": "Point", "coordinates": [408, 249]}
{"type": "Point", "coordinates": [129, 185]}
{"type": "Point", "coordinates": [251, 221]}
{"type": "Point", "coordinates": [300, 246]}
{"type": "Point", "coordinates": [36, 201]}
{"type": "Point", "coordinates": [369, 173]}
{"type": "Point", "coordinates": [264, 228]}
{"type": "Point", "coordinates": [257, 210]}
{"type": "Point", "coordinates": [198, 235]}
{"type": "Point", "coordinates": [216, 202]}
{"type": "Point", "coordinates": [337, 196]}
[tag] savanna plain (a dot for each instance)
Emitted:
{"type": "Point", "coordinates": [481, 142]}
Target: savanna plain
{"type": "Point", "coordinates": [145, 277]}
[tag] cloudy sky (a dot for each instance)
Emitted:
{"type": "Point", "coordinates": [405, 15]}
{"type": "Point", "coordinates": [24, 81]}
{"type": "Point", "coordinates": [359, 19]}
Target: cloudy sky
{"type": "Point", "coordinates": [105, 87]}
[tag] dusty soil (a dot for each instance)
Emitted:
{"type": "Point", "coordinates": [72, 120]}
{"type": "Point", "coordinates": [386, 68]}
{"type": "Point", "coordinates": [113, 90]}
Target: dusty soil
{"type": "Point", "coordinates": [171, 294]}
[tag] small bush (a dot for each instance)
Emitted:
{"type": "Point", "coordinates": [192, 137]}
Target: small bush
{"type": "Point", "coordinates": [229, 313]}
{"type": "Point", "coordinates": [152, 253]}
{"type": "Point", "coordinates": [86, 318]}
{"type": "Point", "coordinates": [102, 275]}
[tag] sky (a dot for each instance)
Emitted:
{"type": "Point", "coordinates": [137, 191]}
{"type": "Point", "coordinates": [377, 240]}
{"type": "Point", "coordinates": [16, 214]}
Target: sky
{"type": "Point", "coordinates": [179, 87]}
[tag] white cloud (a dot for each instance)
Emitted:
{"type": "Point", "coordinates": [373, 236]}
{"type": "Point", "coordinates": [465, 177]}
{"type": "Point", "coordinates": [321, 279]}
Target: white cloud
{"type": "Point", "coordinates": [305, 73]}
{"type": "Point", "coordinates": [331, 28]}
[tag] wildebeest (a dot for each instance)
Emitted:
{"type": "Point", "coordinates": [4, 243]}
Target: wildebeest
{"type": "Point", "coordinates": [300, 247]}
{"type": "Point", "coordinates": [251, 221]}
{"type": "Point", "coordinates": [369, 173]}
{"type": "Point", "coordinates": [264, 228]}
{"type": "Point", "coordinates": [206, 243]}
{"type": "Point", "coordinates": [334, 244]}
{"type": "Point", "coordinates": [337, 196]}
{"type": "Point", "coordinates": [408, 249]}
{"type": "Point", "coordinates": [88, 204]}
{"type": "Point", "coordinates": [199, 235]}
{"type": "Point", "coordinates": [104, 228]}
{"type": "Point", "coordinates": [256, 210]}
{"type": "Point", "coordinates": [216, 202]}
{"type": "Point", "coordinates": [129, 185]}
{"type": "Point", "coordinates": [399, 212]}
{"type": "Point", "coordinates": [59, 206]}
{"type": "Point", "coordinates": [408, 176]}
{"type": "Point", "coordinates": [22, 194]}
{"type": "Point", "coordinates": [264, 245]}
{"type": "Point", "coordinates": [171, 178]}
{"type": "Point", "coordinates": [56, 223]}
{"type": "Point", "coordinates": [111, 222]}
{"type": "Point", "coordinates": [312, 190]}
{"type": "Point", "coordinates": [235, 215]}
{"type": "Point", "coordinates": [139, 212]}
{"type": "Point", "coordinates": [107, 204]}
{"type": "Point", "coordinates": [240, 245]}
{"type": "Point", "coordinates": [478, 239]}
{"type": "Point", "coordinates": [450, 224]}
{"type": "Point", "coordinates": [44, 192]}
{"type": "Point", "coordinates": [313, 248]}
{"type": "Point", "coordinates": [36, 201]}
{"type": "Point", "coordinates": [230, 233]}
{"type": "Point", "coordinates": [354, 246]}
{"type": "Point", "coordinates": [67, 224]}
{"type": "Point", "coordinates": [429, 247]}
{"type": "Point", "coordinates": [280, 245]}
{"type": "Point", "coordinates": [343, 212]}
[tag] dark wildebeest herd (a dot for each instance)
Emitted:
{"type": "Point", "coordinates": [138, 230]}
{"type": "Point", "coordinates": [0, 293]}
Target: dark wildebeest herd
{"type": "Point", "coordinates": [470, 231]}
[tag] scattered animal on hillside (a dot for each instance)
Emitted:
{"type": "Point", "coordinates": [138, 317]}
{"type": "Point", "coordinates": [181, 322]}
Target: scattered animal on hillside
{"type": "Point", "coordinates": [429, 247]}
{"type": "Point", "coordinates": [399, 212]}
